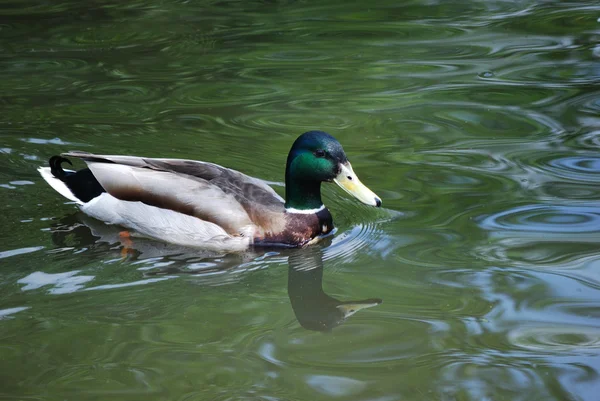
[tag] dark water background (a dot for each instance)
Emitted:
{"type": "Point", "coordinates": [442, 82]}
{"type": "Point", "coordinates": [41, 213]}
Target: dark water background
{"type": "Point", "coordinates": [477, 122]}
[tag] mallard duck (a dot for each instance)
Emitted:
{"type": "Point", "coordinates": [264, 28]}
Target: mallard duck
{"type": "Point", "coordinates": [202, 204]}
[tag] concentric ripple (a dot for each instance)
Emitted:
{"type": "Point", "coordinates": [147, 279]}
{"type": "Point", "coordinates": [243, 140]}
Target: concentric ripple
{"type": "Point", "coordinates": [121, 90]}
{"type": "Point", "coordinates": [548, 338]}
{"type": "Point", "coordinates": [579, 168]}
{"type": "Point", "coordinates": [569, 190]}
{"type": "Point", "coordinates": [34, 64]}
{"type": "Point", "coordinates": [589, 139]}
{"type": "Point", "coordinates": [547, 164]}
{"type": "Point", "coordinates": [224, 94]}
{"type": "Point", "coordinates": [545, 219]}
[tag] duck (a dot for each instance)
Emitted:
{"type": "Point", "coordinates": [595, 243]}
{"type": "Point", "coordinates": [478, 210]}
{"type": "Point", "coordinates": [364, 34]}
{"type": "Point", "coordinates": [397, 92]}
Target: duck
{"type": "Point", "coordinates": [205, 205]}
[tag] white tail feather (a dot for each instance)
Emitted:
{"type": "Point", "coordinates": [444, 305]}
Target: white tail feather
{"type": "Point", "coordinates": [58, 185]}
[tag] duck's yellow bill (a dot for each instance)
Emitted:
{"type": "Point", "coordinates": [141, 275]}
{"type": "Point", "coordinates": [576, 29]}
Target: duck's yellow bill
{"type": "Point", "coordinates": [350, 183]}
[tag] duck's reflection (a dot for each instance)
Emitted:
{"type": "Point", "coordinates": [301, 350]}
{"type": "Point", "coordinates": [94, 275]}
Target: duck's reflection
{"type": "Point", "coordinates": [314, 309]}
{"type": "Point", "coordinates": [80, 230]}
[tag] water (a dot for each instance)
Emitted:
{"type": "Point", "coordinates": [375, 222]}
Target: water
{"type": "Point", "coordinates": [477, 123]}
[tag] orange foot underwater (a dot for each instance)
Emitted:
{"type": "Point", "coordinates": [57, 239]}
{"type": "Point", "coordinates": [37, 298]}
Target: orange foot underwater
{"type": "Point", "coordinates": [127, 249]}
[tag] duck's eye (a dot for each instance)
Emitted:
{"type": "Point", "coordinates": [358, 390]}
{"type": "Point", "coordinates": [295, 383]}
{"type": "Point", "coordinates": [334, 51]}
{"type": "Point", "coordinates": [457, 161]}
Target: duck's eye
{"type": "Point", "coordinates": [320, 153]}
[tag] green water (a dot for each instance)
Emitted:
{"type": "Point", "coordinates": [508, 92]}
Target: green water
{"type": "Point", "coordinates": [477, 123]}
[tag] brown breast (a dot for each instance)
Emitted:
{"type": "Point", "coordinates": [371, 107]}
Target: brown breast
{"type": "Point", "coordinates": [299, 229]}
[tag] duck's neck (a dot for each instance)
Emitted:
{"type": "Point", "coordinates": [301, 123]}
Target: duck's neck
{"type": "Point", "coordinates": [302, 195]}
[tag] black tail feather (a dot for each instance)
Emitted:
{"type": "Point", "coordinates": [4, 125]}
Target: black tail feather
{"type": "Point", "coordinates": [82, 183]}
{"type": "Point", "coordinates": [56, 167]}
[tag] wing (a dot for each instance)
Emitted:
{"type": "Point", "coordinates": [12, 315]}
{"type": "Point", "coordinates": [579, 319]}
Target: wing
{"type": "Point", "coordinates": [205, 190]}
{"type": "Point", "coordinates": [242, 186]}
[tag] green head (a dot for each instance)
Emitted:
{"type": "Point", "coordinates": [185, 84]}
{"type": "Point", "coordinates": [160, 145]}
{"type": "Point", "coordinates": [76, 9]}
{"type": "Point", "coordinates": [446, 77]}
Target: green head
{"type": "Point", "coordinates": [318, 157]}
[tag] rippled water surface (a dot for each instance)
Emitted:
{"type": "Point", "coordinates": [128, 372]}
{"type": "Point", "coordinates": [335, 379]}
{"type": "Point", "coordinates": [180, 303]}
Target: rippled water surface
{"type": "Point", "coordinates": [478, 124]}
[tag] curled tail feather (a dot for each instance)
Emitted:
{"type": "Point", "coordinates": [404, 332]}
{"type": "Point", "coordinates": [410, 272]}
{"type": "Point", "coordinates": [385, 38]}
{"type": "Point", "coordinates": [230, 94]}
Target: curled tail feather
{"type": "Point", "coordinates": [56, 166]}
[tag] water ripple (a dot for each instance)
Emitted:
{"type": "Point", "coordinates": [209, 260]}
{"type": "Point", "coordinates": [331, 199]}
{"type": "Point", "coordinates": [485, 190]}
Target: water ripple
{"type": "Point", "coordinates": [390, 34]}
{"type": "Point", "coordinates": [551, 339]}
{"type": "Point", "coordinates": [545, 219]}
{"type": "Point", "coordinates": [224, 94]}
{"type": "Point", "coordinates": [294, 121]}
{"type": "Point", "coordinates": [122, 90]}
{"type": "Point", "coordinates": [294, 56]}
{"type": "Point", "coordinates": [579, 168]}
{"type": "Point", "coordinates": [589, 139]}
{"type": "Point", "coordinates": [32, 65]}
{"type": "Point", "coordinates": [552, 190]}
{"type": "Point", "coordinates": [552, 74]}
